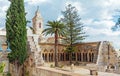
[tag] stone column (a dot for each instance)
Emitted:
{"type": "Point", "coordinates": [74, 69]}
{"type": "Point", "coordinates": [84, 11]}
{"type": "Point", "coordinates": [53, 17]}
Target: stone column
{"type": "Point", "coordinates": [53, 56]}
{"type": "Point", "coordinates": [82, 57]}
{"type": "Point", "coordinates": [91, 57]}
{"type": "Point", "coordinates": [47, 57]}
{"type": "Point", "coordinates": [88, 56]}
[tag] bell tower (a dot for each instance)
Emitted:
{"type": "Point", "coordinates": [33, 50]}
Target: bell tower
{"type": "Point", "coordinates": [38, 23]}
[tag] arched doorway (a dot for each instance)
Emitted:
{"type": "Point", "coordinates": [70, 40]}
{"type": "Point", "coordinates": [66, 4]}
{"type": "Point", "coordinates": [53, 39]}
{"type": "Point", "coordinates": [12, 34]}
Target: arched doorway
{"type": "Point", "coordinates": [90, 57]}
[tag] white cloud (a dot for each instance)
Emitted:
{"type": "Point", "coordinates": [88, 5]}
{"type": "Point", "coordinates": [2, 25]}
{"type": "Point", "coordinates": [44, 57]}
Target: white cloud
{"type": "Point", "coordinates": [78, 5]}
{"type": "Point", "coordinates": [97, 17]}
{"type": "Point", "coordinates": [33, 2]}
{"type": "Point", "coordinates": [3, 8]}
{"type": "Point", "coordinates": [107, 32]}
{"type": "Point", "coordinates": [59, 17]}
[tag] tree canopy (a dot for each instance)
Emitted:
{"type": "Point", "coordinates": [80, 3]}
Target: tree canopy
{"type": "Point", "coordinates": [16, 32]}
{"type": "Point", "coordinates": [74, 28]}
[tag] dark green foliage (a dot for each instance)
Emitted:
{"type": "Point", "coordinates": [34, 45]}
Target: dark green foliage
{"type": "Point", "coordinates": [70, 49]}
{"type": "Point", "coordinates": [8, 74]}
{"type": "Point", "coordinates": [74, 28]}
{"type": "Point", "coordinates": [53, 26]}
{"type": "Point", "coordinates": [16, 31]}
{"type": "Point", "coordinates": [2, 65]}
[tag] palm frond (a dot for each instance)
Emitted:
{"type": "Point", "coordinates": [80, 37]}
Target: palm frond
{"type": "Point", "coordinates": [33, 30]}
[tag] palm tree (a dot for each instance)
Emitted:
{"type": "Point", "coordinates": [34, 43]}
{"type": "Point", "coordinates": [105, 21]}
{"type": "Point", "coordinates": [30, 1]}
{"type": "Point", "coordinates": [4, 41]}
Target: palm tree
{"type": "Point", "coordinates": [56, 28]}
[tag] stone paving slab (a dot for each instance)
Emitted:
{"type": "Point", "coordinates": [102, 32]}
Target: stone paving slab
{"type": "Point", "coordinates": [78, 71]}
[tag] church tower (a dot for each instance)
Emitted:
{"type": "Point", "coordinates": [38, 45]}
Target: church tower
{"type": "Point", "coordinates": [38, 23]}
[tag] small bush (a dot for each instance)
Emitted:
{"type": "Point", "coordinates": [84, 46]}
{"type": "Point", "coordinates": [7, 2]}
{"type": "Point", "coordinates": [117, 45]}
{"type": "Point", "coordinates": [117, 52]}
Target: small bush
{"type": "Point", "coordinates": [8, 74]}
{"type": "Point", "coordinates": [2, 65]}
{"type": "Point", "coordinates": [61, 66]}
{"type": "Point", "coordinates": [52, 66]}
{"type": "Point", "coordinates": [27, 73]}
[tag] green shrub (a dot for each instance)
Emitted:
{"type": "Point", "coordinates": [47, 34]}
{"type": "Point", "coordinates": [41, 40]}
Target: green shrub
{"type": "Point", "coordinates": [8, 74]}
{"type": "Point", "coordinates": [61, 66]}
{"type": "Point", "coordinates": [52, 66]}
{"type": "Point", "coordinates": [2, 65]}
{"type": "Point", "coordinates": [27, 73]}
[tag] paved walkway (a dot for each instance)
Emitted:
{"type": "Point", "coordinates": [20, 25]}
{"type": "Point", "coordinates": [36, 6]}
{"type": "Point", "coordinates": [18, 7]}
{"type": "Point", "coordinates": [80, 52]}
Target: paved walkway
{"type": "Point", "coordinates": [85, 72]}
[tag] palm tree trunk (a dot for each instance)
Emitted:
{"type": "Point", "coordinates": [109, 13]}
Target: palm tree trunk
{"type": "Point", "coordinates": [56, 48]}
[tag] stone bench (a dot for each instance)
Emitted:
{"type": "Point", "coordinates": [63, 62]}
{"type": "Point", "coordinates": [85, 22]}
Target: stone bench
{"type": "Point", "coordinates": [93, 72]}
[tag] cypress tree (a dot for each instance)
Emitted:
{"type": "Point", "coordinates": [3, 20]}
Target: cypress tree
{"type": "Point", "coordinates": [16, 33]}
{"type": "Point", "coordinates": [74, 28]}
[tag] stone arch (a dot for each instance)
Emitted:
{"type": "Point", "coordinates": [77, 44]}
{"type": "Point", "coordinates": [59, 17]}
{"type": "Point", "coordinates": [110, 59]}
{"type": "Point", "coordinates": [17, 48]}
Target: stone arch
{"type": "Point", "coordinates": [51, 51]}
{"type": "Point", "coordinates": [86, 57]}
{"type": "Point", "coordinates": [67, 57]}
{"type": "Point", "coordinates": [62, 51]}
{"type": "Point", "coordinates": [91, 50]}
{"type": "Point", "coordinates": [90, 57]}
{"type": "Point", "coordinates": [73, 56]}
{"type": "Point", "coordinates": [45, 51]}
{"type": "Point", "coordinates": [79, 56]}
{"type": "Point", "coordinates": [52, 58]}
{"type": "Point", "coordinates": [45, 55]}
{"type": "Point", "coordinates": [61, 56]}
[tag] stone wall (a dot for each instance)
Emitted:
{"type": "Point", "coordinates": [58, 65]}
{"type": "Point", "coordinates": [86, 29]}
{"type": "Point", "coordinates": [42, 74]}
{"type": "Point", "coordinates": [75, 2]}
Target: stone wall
{"type": "Point", "coordinates": [46, 71]}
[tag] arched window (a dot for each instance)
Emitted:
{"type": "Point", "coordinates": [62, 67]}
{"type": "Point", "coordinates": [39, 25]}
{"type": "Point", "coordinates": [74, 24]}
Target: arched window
{"type": "Point", "coordinates": [89, 57]}
{"type": "Point", "coordinates": [61, 57]}
{"type": "Point", "coordinates": [73, 56]}
{"type": "Point", "coordinates": [83, 57]}
{"type": "Point", "coordinates": [52, 57]}
{"type": "Point", "coordinates": [67, 57]}
{"type": "Point", "coordinates": [86, 57]}
{"type": "Point", "coordinates": [45, 57]}
{"type": "Point", "coordinates": [49, 58]}
{"type": "Point", "coordinates": [78, 58]}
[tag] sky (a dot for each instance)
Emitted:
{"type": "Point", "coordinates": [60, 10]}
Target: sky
{"type": "Point", "coordinates": [98, 16]}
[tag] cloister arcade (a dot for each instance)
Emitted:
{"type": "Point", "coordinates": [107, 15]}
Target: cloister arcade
{"type": "Point", "coordinates": [83, 53]}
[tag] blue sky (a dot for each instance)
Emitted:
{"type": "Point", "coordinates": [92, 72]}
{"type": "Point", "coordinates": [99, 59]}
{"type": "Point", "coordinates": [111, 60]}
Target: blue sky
{"type": "Point", "coordinates": [98, 16]}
